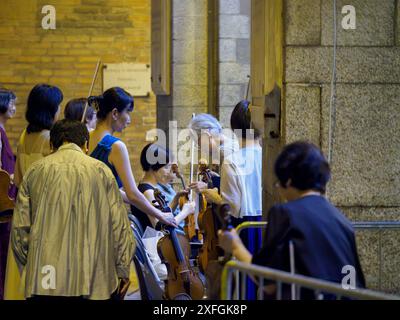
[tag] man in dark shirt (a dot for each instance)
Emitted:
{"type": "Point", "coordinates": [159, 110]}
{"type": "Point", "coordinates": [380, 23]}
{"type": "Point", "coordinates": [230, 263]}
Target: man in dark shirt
{"type": "Point", "coordinates": [322, 237]}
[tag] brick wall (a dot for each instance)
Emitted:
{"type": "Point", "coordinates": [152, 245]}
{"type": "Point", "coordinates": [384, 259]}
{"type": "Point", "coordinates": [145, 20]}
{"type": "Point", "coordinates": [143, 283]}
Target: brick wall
{"type": "Point", "coordinates": [114, 31]}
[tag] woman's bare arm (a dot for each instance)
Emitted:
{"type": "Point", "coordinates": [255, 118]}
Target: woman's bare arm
{"type": "Point", "coordinates": [119, 157]}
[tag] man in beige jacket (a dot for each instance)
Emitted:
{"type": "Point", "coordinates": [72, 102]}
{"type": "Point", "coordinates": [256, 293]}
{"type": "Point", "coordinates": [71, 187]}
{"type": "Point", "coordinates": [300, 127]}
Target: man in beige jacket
{"type": "Point", "coordinates": [71, 233]}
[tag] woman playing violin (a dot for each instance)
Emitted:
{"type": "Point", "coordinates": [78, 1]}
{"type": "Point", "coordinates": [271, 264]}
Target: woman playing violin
{"type": "Point", "coordinates": [157, 167]}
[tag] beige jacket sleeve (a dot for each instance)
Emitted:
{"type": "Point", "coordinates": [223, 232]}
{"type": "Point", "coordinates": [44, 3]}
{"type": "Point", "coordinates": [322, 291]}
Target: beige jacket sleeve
{"type": "Point", "coordinates": [124, 242]}
{"type": "Point", "coordinates": [21, 224]}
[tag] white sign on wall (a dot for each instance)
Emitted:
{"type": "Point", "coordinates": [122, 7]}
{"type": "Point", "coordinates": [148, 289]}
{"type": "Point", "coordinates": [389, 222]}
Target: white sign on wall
{"type": "Point", "coordinates": [133, 77]}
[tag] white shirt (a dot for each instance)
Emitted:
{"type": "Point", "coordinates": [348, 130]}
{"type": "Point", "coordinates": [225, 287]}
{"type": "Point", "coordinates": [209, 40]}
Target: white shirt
{"type": "Point", "coordinates": [241, 186]}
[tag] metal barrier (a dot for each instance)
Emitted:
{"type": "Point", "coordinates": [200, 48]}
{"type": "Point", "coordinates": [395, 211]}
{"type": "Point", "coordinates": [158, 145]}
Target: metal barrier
{"type": "Point", "coordinates": [240, 228]}
{"type": "Point", "coordinates": [373, 225]}
{"type": "Point", "coordinates": [281, 277]}
{"type": "Point", "coordinates": [250, 224]}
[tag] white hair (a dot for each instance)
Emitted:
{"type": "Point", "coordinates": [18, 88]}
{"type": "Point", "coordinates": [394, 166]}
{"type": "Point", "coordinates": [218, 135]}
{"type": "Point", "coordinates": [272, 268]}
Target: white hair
{"type": "Point", "coordinates": [205, 121]}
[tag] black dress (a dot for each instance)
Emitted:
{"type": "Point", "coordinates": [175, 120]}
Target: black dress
{"type": "Point", "coordinates": [140, 215]}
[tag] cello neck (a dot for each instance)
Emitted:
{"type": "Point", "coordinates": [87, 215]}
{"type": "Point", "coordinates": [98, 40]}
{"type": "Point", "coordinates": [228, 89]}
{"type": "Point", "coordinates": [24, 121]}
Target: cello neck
{"type": "Point", "coordinates": [180, 257]}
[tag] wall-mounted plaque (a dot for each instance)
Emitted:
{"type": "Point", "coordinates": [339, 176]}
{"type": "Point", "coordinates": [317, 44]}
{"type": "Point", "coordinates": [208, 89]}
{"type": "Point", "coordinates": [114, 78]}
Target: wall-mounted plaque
{"type": "Point", "coordinates": [133, 77]}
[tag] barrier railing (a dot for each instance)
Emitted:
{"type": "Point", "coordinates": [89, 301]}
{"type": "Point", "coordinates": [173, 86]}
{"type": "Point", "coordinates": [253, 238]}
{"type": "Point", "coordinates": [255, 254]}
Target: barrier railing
{"type": "Point", "coordinates": [320, 287]}
{"type": "Point", "coordinates": [239, 229]}
{"type": "Point", "coordinates": [250, 224]}
{"type": "Point", "coordinates": [371, 225]}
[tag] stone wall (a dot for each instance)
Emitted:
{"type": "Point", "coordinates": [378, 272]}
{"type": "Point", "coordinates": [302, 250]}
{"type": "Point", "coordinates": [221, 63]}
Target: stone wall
{"type": "Point", "coordinates": [189, 69]}
{"type": "Point", "coordinates": [366, 144]}
{"type": "Point", "coordinates": [234, 54]}
{"type": "Point", "coordinates": [86, 30]}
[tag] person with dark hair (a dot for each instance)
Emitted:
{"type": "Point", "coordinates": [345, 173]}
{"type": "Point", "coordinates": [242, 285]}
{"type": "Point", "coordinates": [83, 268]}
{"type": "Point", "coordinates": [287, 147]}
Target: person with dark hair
{"type": "Point", "coordinates": [73, 200]}
{"type": "Point", "coordinates": [304, 167]}
{"type": "Point", "coordinates": [42, 111]}
{"type": "Point", "coordinates": [74, 111]}
{"type": "Point", "coordinates": [322, 237]}
{"type": "Point", "coordinates": [167, 189]}
{"type": "Point", "coordinates": [114, 108]}
{"type": "Point", "coordinates": [7, 111]}
{"type": "Point", "coordinates": [241, 122]}
{"type": "Point", "coordinates": [157, 167]}
{"type": "Point", "coordinates": [69, 131]}
{"type": "Point", "coordinates": [7, 163]}
{"type": "Point", "coordinates": [43, 107]}
{"type": "Point", "coordinates": [240, 186]}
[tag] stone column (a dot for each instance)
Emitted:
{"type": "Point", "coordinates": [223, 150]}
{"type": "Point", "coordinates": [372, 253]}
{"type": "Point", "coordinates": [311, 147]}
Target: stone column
{"type": "Point", "coordinates": [234, 55]}
{"type": "Point", "coordinates": [189, 65]}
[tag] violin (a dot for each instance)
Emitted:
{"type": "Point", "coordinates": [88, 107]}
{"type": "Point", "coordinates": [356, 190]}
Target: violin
{"type": "Point", "coordinates": [6, 203]}
{"type": "Point", "coordinates": [182, 199]}
{"type": "Point", "coordinates": [191, 229]}
{"type": "Point", "coordinates": [174, 249]}
{"type": "Point", "coordinates": [208, 225]}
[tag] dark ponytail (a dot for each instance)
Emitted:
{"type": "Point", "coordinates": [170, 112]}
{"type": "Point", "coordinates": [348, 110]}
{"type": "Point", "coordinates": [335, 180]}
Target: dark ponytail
{"type": "Point", "coordinates": [241, 119]}
{"type": "Point", "coordinates": [112, 98]}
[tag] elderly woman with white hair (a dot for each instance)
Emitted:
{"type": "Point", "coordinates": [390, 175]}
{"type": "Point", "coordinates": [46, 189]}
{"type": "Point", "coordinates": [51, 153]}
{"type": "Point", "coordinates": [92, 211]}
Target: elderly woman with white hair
{"type": "Point", "coordinates": [241, 172]}
{"type": "Point", "coordinates": [214, 143]}
{"type": "Point", "coordinates": [207, 129]}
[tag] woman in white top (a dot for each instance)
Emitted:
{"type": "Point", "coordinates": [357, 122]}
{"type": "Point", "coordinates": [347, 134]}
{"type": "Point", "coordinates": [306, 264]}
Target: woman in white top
{"type": "Point", "coordinates": [241, 168]}
{"type": "Point", "coordinates": [241, 174]}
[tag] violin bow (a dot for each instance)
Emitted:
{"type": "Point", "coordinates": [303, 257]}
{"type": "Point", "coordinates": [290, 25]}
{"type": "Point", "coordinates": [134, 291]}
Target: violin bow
{"type": "Point", "coordinates": [248, 88]}
{"type": "Point", "coordinates": [90, 90]}
{"type": "Point", "coordinates": [192, 164]}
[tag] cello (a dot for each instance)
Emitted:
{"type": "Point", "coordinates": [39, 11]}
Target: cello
{"type": "Point", "coordinates": [190, 225]}
{"type": "Point", "coordinates": [183, 283]}
{"type": "Point", "coordinates": [215, 267]}
{"type": "Point", "coordinates": [208, 225]}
